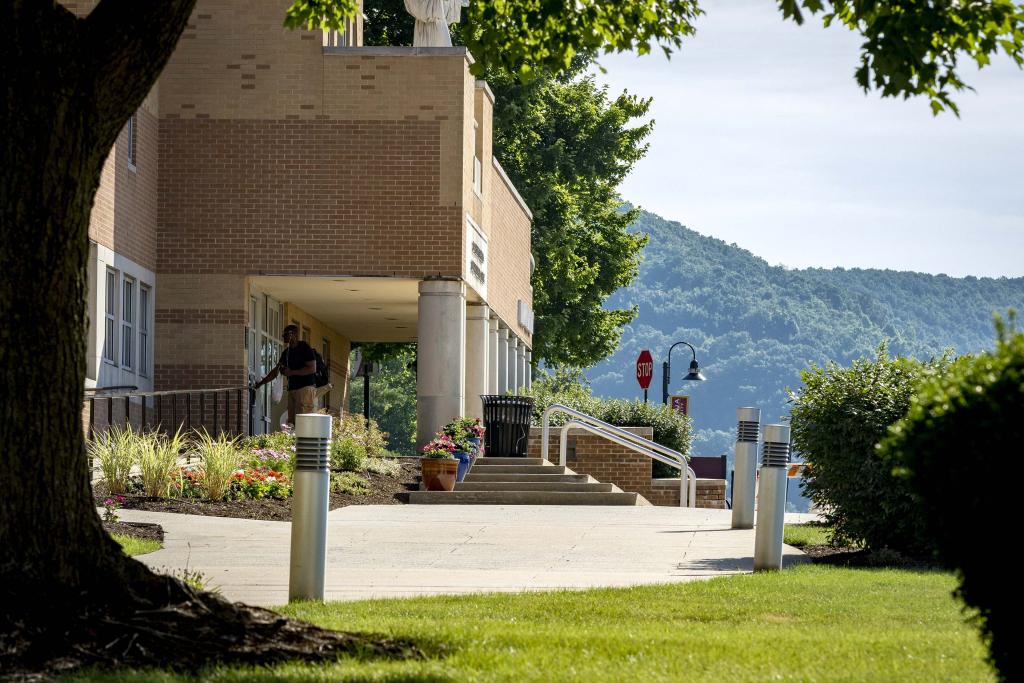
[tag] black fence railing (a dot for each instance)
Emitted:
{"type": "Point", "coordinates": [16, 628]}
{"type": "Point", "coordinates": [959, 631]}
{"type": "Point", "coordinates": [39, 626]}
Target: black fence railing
{"type": "Point", "coordinates": [227, 410]}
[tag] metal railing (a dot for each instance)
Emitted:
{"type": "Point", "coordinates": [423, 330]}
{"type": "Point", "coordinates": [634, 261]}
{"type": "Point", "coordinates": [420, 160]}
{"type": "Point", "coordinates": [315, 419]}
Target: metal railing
{"type": "Point", "coordinates": [215, 410]}
{"type": "Point", "coordinates": [652, 449]}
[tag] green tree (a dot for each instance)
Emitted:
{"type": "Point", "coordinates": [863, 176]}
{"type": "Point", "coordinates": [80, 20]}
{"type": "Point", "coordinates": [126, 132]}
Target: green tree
{"type": "Point", "coordinates": [392, 394]}
{"type": "Point", "coordinates": [70, 85]}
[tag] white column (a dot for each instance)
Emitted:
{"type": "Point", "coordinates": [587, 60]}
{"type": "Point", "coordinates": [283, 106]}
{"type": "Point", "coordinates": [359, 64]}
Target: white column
{"type": "Point", "coordinates": [529, 368]}
{"type": "Point", "coordinates": [492, 356]}
{"type": "Point", "coordinates": [440, 356]}
{"type": "Point", "coordinates": [521, 371]}
{"type": "Point", "coordinates": [513, 363]}
{"type": "Point", "coordinates": [477, 338]}
{"type": "Point", "coordinates": [502, 360]}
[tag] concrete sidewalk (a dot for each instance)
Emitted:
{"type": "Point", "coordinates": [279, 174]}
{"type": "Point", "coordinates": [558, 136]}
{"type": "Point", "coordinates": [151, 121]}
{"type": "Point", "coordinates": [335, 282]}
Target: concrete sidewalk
{"type": "Point", "coordinates": [404, 550]}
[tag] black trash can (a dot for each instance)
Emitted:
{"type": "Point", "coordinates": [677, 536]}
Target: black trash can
{"type": "Point", "coordinates": [507, 421]}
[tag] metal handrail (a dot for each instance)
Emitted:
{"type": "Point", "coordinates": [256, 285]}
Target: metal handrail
{"type": "Point", "coordinates": [687, 477]}
{"type": "Point", "coordinates": [652, 449]}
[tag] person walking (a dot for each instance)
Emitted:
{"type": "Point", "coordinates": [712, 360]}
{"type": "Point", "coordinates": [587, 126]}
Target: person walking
{"type": "Point", "coordinates": [298, 364]}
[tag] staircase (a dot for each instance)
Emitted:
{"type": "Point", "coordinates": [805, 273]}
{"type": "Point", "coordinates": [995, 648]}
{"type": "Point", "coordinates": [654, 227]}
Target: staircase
{"type": "Point", "coordinates": [527, 481]}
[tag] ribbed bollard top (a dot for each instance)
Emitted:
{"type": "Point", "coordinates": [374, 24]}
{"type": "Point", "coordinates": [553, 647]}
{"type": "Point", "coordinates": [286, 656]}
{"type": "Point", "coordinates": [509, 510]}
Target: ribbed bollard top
{"type": "Point", "coordinates": [312, 442]}
{"type": "Point", "coordinates": [748, 421]}
{"type": "Point", "coordinates": [775, 452]}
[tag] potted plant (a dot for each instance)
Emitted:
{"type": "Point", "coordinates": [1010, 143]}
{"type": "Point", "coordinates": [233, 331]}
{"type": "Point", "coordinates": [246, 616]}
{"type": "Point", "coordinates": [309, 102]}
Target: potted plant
{"type": "Point", "coordinates": [464, 433]}
{"type": "Point", "coordinates": [439, 465]}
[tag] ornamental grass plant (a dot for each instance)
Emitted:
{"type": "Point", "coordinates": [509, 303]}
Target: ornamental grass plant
{"type": "Point", "coordinates": [221, 457]}
{"type": "Point", "coordinates": [115, 450]}
{"type": "Point", "coordinates": [158, 461]}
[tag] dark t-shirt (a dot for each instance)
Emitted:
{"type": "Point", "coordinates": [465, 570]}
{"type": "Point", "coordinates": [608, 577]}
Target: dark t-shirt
{"type": "Point", "coordinates": [296, 359]}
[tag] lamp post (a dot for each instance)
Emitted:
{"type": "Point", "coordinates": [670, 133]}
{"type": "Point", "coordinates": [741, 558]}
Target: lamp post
{"type": "Point", "coordinates": [666, 371]}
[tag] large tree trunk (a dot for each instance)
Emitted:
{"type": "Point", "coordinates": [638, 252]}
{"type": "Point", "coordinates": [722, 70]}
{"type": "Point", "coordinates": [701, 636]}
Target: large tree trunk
{"type": "Point", "coordinates": [70, 85]}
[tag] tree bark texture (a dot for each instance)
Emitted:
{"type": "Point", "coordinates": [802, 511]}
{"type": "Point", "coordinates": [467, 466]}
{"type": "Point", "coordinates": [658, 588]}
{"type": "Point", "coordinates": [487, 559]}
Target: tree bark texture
{"type": "Point", "coordinates": [69, 85]}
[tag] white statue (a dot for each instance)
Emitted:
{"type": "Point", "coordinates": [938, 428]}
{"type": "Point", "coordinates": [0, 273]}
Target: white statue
{"type": "Point", "coordinates": [432, 19]}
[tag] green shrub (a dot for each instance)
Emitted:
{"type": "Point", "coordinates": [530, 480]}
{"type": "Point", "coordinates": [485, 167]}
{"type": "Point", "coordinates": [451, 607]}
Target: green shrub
{"type": "Point", "coordinates": [838, 417]}
{"type": "Point", "coordinates": [353, 442]}
{"type": "Point", "coordinates": [347, 454]}
{"type": "Point", "coordinates": [221, 457]}
{"type": "Point", "coordinates": [115, 450]}
{"type": "Point", "coordinates": [158, 462]}
{"type": "Point", "coordinates": [956, 448]}
{"type": "Point", "coordinates": [387, 466]}
{"type": "Point", "coordinates": [350, 483]}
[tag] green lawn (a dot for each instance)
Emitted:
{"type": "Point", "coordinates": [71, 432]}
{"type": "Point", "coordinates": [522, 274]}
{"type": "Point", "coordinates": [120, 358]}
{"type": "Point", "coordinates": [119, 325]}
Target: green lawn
{"type": "Point", "coordinates": [799, 535]}
{"type": "Point", "coordinates": [136, 546]}
{"type": "Point", "coordinates": [810, 623]}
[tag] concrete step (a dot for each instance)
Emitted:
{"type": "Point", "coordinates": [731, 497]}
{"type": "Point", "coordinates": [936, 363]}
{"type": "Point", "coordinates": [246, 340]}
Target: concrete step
{"type": "Point", "coordinates": [483, 468]}
{"type": "Point", "coordinates": [475, 475]}
{"type": "Point", "coordinates": [523, 498]}
{"type": "Point", "coordinates": [509, 461]}
{"type": "Point", "coordinates": [568, 487]}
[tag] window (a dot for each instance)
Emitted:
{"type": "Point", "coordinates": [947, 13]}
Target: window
{"type": "Point", "coordinates": [127, 322]}
{"type": "Point", "coordinates": [133, 140]}
{"type": "Point", "coordinates": [110, 319]}
{"type": "Point", "coordinates": [144, 301]}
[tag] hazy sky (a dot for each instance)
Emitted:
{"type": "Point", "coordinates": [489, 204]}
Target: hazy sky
{"type": "Point", "coordinates": [764, 139]}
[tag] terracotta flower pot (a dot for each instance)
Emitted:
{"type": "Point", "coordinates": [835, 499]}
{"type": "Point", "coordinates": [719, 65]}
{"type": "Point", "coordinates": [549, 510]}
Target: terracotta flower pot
{"type": "Point", "coordinates": [439, 475]}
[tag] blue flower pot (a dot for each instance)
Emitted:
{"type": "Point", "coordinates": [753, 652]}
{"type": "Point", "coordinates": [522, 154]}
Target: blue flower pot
{"type": "Point", "coordinates": [465, 459]}
{"type": "Point", "coordinates": [477, 445]}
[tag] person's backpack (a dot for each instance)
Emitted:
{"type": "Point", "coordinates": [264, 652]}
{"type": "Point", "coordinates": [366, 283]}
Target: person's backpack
{"type": "Point", "coordinates": [323, 373]}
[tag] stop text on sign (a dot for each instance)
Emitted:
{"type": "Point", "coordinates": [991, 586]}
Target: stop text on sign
{"type": "Point", "coordinates": [644, 369]}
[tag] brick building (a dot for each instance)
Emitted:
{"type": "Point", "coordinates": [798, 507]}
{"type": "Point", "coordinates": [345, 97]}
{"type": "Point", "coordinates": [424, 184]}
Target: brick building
{"type": "Point", "coordinates": [276, 176]}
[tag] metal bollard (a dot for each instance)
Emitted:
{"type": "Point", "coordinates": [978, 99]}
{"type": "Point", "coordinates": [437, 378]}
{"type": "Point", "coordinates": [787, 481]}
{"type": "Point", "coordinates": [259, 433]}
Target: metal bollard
{"type": "Point", "coordinates": [308, 574]}
{"type": "Point", "coordinates": [748, 422]}
{"type": "Point", "coordinates": [771, 509]}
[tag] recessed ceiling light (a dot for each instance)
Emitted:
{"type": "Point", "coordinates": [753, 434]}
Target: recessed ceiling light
{"type": "Point", "coordinates": [391, 318]}
{"type": "Point", "coordinates": [353, 290]}
{"type": "Point", "coordinates": [400, 327]}
{"type": "Point", "coordinates": [376, 308]}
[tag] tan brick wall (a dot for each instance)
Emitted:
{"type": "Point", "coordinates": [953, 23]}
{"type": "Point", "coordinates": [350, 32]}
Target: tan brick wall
{"type": "Point", "coordinates": [611, 463]}
{"type": "Point", "coordinates": [124, 215]}
{"type": "Point", "coordinates": [341, 346]}
{"type": "Point", "coordinates": [509, 248]}
{"type": "Point", "coordinates": [305, 197]}
{"type": "Point", "coordinates": [200, 326]}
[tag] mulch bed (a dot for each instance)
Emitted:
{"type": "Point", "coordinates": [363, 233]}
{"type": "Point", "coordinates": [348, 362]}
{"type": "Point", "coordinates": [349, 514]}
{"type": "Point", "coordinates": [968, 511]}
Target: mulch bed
{"type": "Point", "coordinates": [384, 491]}
{"type": "Point", "coordinates": [140, 530]}
{"type": "Point", "coordinates": [854, 557]}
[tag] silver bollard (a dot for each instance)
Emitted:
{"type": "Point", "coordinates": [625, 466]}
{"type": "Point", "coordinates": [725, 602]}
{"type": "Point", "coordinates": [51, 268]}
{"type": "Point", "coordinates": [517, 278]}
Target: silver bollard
{"type": "Point", "coordinates": [748, 423]}
{"type": "Point", "coordinates": [771, 508]}
{"type": "Point", "coordinates": [308, 574]}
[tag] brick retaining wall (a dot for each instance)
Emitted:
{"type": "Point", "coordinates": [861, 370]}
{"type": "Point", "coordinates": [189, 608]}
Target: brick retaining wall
{"type": "Point", "coordinates": [631, 471]}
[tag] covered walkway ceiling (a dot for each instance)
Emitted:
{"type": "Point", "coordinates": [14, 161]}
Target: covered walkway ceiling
{"type": "Point", "coordinates": [364, 309]}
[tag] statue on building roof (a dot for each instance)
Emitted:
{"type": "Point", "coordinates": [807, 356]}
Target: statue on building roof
{"type": "Point", "coordinates": [432, 20]}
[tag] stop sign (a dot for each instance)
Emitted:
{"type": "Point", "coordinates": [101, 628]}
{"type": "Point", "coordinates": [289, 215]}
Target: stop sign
{"type": "Point", "coordinates": [644, 369]}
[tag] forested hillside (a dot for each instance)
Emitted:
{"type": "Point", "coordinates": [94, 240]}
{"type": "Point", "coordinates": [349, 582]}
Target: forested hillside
{"type": "Point", "coordinates": [755, 326]}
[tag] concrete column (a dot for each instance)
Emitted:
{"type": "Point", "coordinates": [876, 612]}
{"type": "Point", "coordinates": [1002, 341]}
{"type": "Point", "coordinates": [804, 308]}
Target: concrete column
{"type": "Point", "coordinates": [502, 359]}
{"type": "Point", "coordinates": [492, 356]}
{"type": "Point", "coordinates": [477, 338]}
{"type": "Point", "coordinates": [440, 356]}
{"type": "Point", "coordinates": [529, 368]}
{"type": "Point", "coordinates": [513, 362]}
{"type": "Point", "coordinates": [521, 370]}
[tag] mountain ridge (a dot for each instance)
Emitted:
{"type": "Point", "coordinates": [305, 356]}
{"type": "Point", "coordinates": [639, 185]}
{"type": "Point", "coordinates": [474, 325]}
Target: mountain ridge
{"type": "Point", "coordinates": [755, 326]}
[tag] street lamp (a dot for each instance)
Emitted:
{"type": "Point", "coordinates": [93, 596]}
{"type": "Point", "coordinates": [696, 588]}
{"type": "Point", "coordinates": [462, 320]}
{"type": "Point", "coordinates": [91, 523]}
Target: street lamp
{"type": "Point", "coordinates": [666, 371]}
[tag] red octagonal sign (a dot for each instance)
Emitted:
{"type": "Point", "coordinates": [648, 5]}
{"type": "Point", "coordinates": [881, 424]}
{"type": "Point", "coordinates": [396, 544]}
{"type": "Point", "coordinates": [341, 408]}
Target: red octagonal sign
{"type": "Point", "coordinates": [644, 369]}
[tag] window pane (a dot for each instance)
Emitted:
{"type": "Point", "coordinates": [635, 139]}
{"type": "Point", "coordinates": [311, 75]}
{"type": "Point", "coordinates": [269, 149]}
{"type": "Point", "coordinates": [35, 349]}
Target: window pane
{"type": "Point", "coordinates": [126, 346]}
